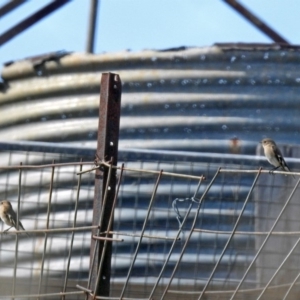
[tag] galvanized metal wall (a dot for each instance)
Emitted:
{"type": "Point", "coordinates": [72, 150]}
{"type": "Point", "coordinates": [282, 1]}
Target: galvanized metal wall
{"type": "Point", "coordinates": [193, 99]}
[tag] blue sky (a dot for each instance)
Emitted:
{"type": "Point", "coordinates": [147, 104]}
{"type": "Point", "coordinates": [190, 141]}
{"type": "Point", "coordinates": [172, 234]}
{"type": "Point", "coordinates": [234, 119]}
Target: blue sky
{"type": "Point", "coordinates": [145, 24]}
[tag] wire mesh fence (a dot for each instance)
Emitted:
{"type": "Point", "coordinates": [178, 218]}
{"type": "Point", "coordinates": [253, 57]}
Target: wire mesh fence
{"type": "Point", "coordinates": [218, 249]}
{"type": "Point", "coordinates": [54, 209]}
{"type": "Point", "coordinates": [185, 226]}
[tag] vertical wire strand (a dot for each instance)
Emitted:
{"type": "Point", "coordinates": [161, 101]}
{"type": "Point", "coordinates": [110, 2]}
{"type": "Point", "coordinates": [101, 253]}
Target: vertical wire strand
{"type": "Point", "coordinates": [141, 235]}
{"type": "Point", "coordinates": [17, 235]}
{"type": "Point", "coordinates": [47, 227]}
{"type": "Point", "coordinates": [99, 225]}
{"type": "Point", "coordinates": [73, 232]}
{"type": "Point", "coordinates": [278, 269]}
{"type": "Point", "coordinates": [110, 222]}
{"type": "Point", "coordinates": [265, 240]}
{"type": "Point", "coordinates": [290, 287]}
{"type": "Point", "coordinates": [19, 197]}
{"type": "Point", "coordinates": [174, 242]}
{"type": "Point", "coordinates": [190, 233]}
{"type": "Point", "coordinates": [231, 235]}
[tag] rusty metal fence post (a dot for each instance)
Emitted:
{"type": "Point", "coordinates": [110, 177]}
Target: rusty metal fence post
{"type": "Point", "coordinates": [107, 149]}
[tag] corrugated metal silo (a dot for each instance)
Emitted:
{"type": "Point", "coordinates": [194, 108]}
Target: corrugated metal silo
{"type": "Point", "coordinates": [192, 99]}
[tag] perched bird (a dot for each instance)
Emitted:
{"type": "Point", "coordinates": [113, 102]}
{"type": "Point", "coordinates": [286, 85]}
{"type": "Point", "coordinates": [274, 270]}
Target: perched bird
{"type": "Point", "coordinates": [8, 215]}
{"type": "Point", "coordinates": [274, 155]}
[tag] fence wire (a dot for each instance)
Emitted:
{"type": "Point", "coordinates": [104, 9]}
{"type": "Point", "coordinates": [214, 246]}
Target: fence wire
{"type": "Point", "coordinates": [181, 229]}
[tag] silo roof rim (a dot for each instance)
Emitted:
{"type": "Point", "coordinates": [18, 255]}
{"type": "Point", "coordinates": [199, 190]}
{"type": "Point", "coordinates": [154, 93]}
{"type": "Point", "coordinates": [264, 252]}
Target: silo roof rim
{"type": "Point", "coordinates": [63, 59]}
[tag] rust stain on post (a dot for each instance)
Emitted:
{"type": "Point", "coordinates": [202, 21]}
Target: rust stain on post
{"type": "Point", "coordinates": [107, 149]}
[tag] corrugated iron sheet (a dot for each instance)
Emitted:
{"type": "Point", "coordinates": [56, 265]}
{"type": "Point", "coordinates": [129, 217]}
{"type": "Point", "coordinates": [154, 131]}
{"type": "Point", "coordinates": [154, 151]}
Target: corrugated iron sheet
{"type": "Point", "coordinates": [170, 98]}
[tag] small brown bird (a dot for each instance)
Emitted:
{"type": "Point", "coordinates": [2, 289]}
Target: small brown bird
{"type": "Point", "coordinates": [273, 155]}
{"type": "Point", "coordinates": [8, 215]}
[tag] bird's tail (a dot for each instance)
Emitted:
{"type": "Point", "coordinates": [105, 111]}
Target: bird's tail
{"type": "Point", "coordinates": [21, 225]}
{"type": "Point", "coordinates": [287, 169]}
